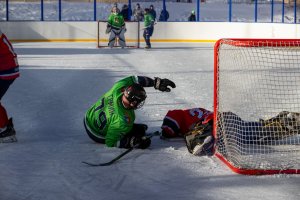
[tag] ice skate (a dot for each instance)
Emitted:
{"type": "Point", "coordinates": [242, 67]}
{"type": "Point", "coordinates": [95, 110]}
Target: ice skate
{"type": "Point", "coordinates": [8, 134]}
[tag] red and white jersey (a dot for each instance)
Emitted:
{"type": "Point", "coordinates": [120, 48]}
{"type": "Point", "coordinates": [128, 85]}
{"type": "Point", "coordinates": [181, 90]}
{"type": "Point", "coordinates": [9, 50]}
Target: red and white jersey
{"type": "Point", "coordinates": [179, 122]}
{"type": "Point", "coordinates": [9, 67]}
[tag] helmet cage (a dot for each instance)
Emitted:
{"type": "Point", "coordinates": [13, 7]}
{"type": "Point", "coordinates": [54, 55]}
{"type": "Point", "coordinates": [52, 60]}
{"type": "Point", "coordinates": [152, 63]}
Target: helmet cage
{"type": "Point", "coordinates": [135, 94]}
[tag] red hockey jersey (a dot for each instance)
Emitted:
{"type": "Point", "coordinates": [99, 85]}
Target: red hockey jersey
{"type": "Point", "coordinates": [179, 122]}
{"type": "Point", "coordinates": [9, 67]}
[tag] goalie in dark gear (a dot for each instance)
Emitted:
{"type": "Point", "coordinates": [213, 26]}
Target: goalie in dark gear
{"type": "Point", "coordinates": [178, 123]}
{"type": "Point", "coordinates": [285, 124]}
{"type": "Point", "coordinates": [200, 140]}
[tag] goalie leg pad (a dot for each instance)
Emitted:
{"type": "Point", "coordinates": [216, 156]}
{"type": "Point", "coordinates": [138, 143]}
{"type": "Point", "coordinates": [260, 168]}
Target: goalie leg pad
{"type": "Point", "coordinates": [112, 38]}
{"type": "Point", "coordinates": [284, 125]}
{"type": "Point", "coordinates": [200, 144]}
{"type": "Point", "coordinates": [200, 140]}
{"type": "Point", "coordinates": [122, 38]}
{"type": "Point", "coordinates": [204, 149]}
{"type": "Point", "coordinates": [108, 29]}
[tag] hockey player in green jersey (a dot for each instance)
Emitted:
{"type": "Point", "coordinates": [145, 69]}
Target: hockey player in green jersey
{"type": "Point", "coordinates": [149, 27]}
{"type": "Point", "coordinates": [116, 28]}
{"type": "Point", "coordinates": [111, 119]}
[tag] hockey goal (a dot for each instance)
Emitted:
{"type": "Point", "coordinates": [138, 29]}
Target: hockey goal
{"type": "Point", "coordinates": [257, 105]}
{"type": "Point", "coordinates": [132, 34]}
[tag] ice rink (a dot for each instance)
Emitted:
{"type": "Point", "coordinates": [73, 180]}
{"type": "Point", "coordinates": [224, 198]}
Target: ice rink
{"type": "Point", "coordinates": [60, 81]}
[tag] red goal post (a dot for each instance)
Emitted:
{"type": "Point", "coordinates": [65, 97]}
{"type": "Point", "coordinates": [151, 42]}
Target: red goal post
{"type": "Point", "coordinates": [257, 105]}
{"type": "Point", "coordinates": [132, 34]}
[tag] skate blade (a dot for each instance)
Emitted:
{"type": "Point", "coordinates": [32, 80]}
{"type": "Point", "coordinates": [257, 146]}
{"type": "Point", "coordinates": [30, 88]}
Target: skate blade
{"type": "Point", "coordinates": [9, 139]}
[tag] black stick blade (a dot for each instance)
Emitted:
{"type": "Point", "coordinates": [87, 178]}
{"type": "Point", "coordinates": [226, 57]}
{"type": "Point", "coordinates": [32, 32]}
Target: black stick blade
{"type": "Point", "coordinates": [119, 156]}
{"type": "Point", "coordinates": [97, 164]}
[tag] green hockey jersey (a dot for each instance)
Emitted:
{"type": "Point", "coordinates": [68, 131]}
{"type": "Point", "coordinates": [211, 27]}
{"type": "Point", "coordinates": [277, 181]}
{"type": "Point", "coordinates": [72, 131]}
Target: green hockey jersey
{"type": "Point", "coordinates": [108, 118]}
{"type": "Point", "coordinates": [116, 20]}
{"type": "Point", "coordinates": [148, 20]}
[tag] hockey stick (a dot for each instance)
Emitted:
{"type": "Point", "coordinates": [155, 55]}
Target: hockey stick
{"type": "Point", "coordinates": [121, 155]}
{"type": "Point", "coordinates": [147, 27]}
{"type": "Point", "coordinates": [175, 139]}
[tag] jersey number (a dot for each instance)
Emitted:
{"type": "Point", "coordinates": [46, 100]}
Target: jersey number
{"type": "Point", "coordinates": [101, 117]}
{"type": "Point", "coordinates": [196, 111]}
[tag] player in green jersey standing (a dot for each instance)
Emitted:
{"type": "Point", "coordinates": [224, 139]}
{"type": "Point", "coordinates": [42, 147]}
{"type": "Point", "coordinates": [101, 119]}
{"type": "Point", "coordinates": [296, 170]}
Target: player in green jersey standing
{"type": "Point", "coordinates": [149, 27]}
{"type": "Point", "coordinates": [116, 28]}
{"type": "Point", "coordinates": [111, 119]}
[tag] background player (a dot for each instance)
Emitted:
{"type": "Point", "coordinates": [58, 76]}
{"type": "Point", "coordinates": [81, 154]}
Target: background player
{"type": "Point", "coordinates": [9, 71]}
{"type": "Point", "coordinates": [149, 27]}
{"type": "Point", "coordinates": [116, 28]}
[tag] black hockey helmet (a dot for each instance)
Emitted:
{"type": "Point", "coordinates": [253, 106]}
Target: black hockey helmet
{"type": "Point", "coordinates": [135, 93]}
{"type": "Point", "coordinates": [146, 10]}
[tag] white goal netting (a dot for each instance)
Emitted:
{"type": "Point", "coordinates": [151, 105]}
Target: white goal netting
{"type": "Point", "coordinates": [257, 105]}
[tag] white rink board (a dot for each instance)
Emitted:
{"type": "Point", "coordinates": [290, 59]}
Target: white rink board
{"type": "Point", "coordinates": [164, 31]}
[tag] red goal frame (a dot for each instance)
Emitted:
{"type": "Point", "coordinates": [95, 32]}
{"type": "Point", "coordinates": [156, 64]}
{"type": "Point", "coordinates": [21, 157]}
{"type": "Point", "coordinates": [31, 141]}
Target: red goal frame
{"type": "Point", "coordinates": [246, 43]}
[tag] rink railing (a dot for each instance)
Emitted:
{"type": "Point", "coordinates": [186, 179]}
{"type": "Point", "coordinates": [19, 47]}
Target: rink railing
{"type": "Point", "coordinates": [164, 6]}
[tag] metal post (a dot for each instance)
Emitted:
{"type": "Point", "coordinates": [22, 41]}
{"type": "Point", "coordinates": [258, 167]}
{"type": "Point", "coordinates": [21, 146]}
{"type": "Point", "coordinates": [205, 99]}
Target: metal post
{"type": "Point", "coordinates": [164, 10]}
{"type": "Point", "coordinates": [295, 11]}
{"type": "Point", "coordinates": [272, 11]}
{"type": "Point", "coordinates": [255, 15]}
{"type": "Point", "coordinates": [129, 10]}
{"type": "Point", "coordinates": [198, 10]}
{"type": "Point", "coordinates": [42, 10]}
{"type": "Point", "coordinates": [59, 10]}
{"type": "Point", "coordinates": [282, 18]}
{"type": "Point", "coordinates": [7, 11]}
{"type": "Point", "coordinates": [230, 10]}
{"type": "Point", "coordinates": [95, 10]}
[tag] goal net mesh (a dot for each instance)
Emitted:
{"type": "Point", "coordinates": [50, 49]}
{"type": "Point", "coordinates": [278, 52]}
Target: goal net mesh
{"type": "Point", "coordinates": [257, 105]}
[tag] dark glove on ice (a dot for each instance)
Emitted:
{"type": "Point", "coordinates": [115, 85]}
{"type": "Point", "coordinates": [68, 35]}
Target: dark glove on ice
{"type": "Point", "coordinates": [163, 84]}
